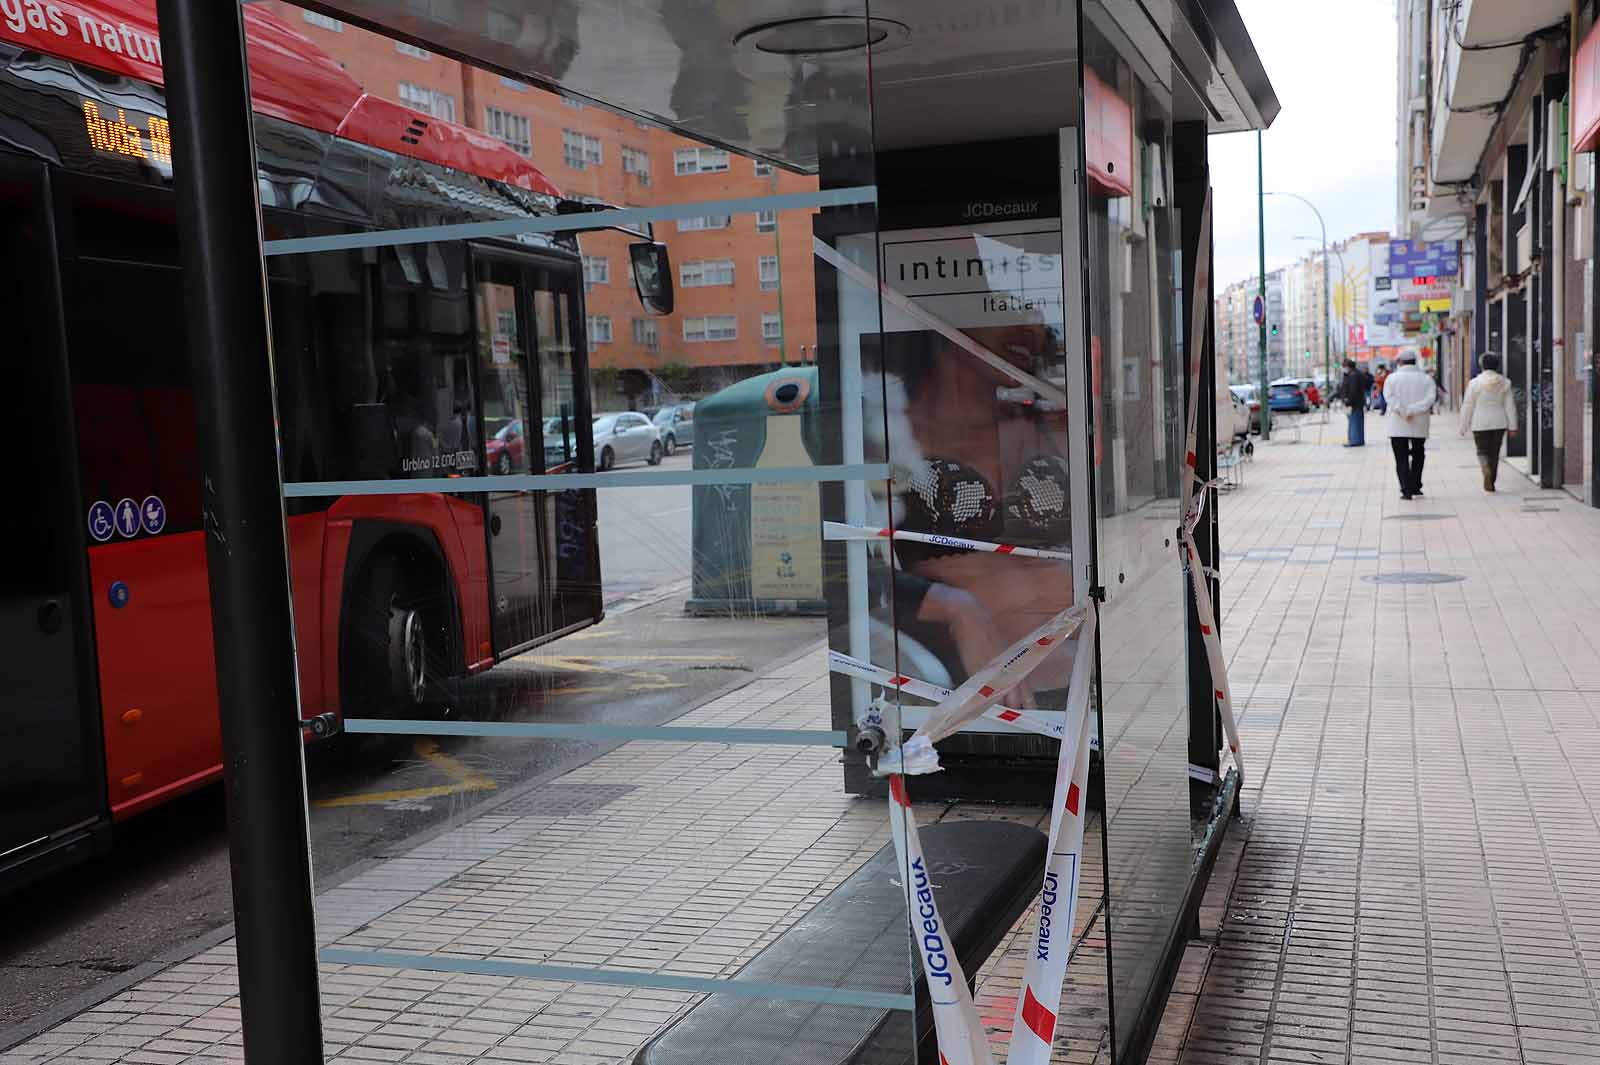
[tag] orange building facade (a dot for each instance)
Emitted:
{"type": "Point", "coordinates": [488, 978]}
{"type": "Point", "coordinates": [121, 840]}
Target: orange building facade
{"type": "Point", "coordinates": [746, 290]}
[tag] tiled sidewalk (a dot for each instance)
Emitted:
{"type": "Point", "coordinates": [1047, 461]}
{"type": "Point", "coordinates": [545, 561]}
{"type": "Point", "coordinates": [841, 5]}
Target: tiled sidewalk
{"type": "Point", "coordinates": [657, 857]}
{"type": "Point", "coordinates": [1420, 868]}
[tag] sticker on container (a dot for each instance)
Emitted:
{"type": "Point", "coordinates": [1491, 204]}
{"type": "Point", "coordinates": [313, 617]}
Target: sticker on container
{"type": "Point", "coordinates": [153, 514]}
{"type": "Point", "coordinates": [128, 523]}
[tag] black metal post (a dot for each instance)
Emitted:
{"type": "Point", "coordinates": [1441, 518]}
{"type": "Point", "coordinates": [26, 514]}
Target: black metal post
{"type": "Point", "coordinates": [1191, 177]}
{"type": "Point", "coordinates": [225, 306]}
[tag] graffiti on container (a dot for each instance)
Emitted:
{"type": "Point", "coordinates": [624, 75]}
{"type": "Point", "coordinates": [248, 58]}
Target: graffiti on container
{"type": "Point", "coordinates": [721, 447]}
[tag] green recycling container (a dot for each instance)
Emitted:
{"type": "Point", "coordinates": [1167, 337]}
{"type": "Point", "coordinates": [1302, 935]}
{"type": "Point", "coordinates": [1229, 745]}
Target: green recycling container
{"type": "Point", "coordinates": [758, 547]}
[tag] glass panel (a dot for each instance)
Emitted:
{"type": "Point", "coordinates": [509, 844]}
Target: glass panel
{"type": "Point", "coordinates": [621, 738]}
{"type": "Point", "coordinates": [1138, 350]}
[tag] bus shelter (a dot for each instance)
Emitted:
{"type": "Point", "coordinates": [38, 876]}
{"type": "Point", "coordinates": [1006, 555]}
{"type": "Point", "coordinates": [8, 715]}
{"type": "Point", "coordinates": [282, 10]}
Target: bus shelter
{"type": "Point", "coordinates": [920, 287]}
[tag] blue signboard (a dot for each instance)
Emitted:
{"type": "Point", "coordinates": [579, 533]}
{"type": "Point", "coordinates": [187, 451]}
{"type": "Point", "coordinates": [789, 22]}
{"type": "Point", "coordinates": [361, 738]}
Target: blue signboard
{"type": "Point", "coordinates": [1409, 259]}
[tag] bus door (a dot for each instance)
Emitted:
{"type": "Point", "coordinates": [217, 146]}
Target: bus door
{"type": "Point", "coordinates": [519, 605]}
{"type": "Point", "coordinates": [51, 784]}
{"type": "Point", "coordinates": [563, 398]}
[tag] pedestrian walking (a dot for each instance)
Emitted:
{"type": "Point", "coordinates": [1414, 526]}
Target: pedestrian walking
{"type": "Point", "coordinates": [1489, 412]}
{"type": "Point", "coordinates": [1410, 395]}
{"type": "Point", "coordinates": [1354, 388]}
{"type": "Point", "coordinates": [1380, 404]}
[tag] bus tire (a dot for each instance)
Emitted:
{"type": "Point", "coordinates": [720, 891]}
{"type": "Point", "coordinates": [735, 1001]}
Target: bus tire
{"type": "Point", "coordinates": [608, 458]}
{"type": "Point", "coordinates": [655, 453]}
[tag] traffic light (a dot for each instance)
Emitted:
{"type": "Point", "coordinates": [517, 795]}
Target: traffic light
{"type": "Point", "coordinates": [1274, 328]}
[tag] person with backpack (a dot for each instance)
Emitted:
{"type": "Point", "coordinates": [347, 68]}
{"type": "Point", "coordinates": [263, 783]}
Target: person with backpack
{"type": "Point", "coordinates": [1489, 412]}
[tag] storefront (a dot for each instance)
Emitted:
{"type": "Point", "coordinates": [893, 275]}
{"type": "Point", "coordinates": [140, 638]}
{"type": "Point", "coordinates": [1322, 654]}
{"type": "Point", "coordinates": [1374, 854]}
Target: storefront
{"type": "Point", "coordinates": [989, 224]}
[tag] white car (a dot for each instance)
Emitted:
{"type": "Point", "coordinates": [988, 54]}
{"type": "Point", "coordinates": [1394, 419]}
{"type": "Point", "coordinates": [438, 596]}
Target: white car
{"type": "Point", "coordinates": [625, 437]}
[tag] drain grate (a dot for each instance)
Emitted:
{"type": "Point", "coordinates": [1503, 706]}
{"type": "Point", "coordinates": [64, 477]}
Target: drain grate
{"type": "Point", "coordinates": [1539, 510]}
{"type": "Point", "coordinates": [1413, 578]}
{"type": "Point", "coordinates": [1418, 517]}
{"type": "Point", "coordinates": [1307, 476]}
{"type": "Point", "coordinates": [566, 800]}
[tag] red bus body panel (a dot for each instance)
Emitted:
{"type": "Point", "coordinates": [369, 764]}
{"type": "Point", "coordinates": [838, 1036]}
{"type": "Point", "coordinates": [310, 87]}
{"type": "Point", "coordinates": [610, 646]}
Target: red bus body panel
{"type": "Point", "coordinates": [290, 78]}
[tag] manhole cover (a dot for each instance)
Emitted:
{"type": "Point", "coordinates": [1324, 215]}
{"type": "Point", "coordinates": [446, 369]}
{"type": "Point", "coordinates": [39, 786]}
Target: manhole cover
{"type": "Point", "coordinates": [1418, 517]}
{"type": "Point", "coordinates": [1413, 578]}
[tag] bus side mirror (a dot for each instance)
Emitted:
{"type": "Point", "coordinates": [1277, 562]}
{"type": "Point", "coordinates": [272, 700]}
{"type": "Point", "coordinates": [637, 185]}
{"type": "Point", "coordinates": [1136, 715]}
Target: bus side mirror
{"type": "Point", "coordinates": [652, 275]}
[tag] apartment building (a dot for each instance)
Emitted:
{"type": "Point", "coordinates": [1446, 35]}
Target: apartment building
{"type": "Point", "coordinates": [745, 284]}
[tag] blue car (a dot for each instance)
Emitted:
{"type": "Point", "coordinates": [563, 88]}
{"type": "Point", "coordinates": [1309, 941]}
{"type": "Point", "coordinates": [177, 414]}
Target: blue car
{"type": "Point", "coordinates": [1288, 395]}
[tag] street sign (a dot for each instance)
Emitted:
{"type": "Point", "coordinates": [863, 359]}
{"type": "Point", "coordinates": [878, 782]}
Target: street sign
{"type": "Point", "coordinates": [1258, 310]}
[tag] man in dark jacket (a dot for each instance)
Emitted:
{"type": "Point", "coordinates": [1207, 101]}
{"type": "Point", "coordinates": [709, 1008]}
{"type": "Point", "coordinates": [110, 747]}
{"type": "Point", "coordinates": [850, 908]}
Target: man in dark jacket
{"type": "Point", "coordinates": [1354, 390]}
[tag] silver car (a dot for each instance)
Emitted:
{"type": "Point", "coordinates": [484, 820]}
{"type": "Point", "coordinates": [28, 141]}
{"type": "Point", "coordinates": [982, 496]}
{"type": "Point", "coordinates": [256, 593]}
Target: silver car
{"type": "Point", "coordinates": [625, 437]}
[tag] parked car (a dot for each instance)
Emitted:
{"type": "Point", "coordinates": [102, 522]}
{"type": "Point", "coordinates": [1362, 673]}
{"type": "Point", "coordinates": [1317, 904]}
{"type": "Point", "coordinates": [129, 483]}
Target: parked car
{"type": "Point", "coordinates": [1247, 395]}
{"type": "Point", "coordinates": [675, 423]}
{"type": "Point", "coordinates": [1287, 394]}
{"type": "Point", "coordinates": [625, 437]}
{"type": "Point", "coordinates": [503, 450]}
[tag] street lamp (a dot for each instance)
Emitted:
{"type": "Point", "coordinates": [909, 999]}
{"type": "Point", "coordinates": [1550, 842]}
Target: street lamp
{"type": "Point", "coordinates": [1327, 288]}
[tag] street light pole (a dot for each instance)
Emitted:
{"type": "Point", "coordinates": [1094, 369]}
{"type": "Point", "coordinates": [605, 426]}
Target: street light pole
{"type": "Point", "coordinates": [1261, 265]}
{"type": "Point", "coordinates": [1327, 292]}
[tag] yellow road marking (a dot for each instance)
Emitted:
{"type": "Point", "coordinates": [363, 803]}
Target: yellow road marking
{"type": "Point", "coordinates": [464, 780]}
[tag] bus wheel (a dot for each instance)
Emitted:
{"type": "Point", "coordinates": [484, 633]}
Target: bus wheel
{"type": "Point", "coordinates": [608, 458]}
{"type": "Point", "coordinates": [655, 453]}
{"type": "Point", "coordinates": [408, 655]}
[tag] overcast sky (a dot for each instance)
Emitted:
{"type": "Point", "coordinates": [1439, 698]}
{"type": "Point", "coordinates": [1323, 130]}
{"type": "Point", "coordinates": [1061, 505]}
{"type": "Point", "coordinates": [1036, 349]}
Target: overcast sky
{"type": "Point", "coordinates": [1333, 66]}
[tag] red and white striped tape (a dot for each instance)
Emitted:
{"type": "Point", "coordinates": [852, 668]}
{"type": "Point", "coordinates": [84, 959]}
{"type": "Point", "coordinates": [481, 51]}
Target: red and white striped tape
{"type": "Point", "coordinates": [1194, 495]}
{"type": "Point", "coordinates": [838, 530]}
{"type": "Point", "coordinates": [958, 1027]}
{"type": "Point", "coordinates": [980, 691]}
{"type": "Point", "coordinates": [1034, 721]}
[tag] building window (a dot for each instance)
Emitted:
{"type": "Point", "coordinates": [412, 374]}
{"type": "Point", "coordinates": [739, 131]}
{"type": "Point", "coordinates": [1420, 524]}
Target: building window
{"type": "Point", "coordinates": [599, 329]}
{"type": "Point", "coordinates": [771, 329]}
{"type": "Point", "coordinates": [596, 270]}
{"type": "Point", "coordinates": [412, 50]}
{"type": "Point", "coordinates": [513, 84]}
{"type": "Point", "coordinates": [316, 19]}
{"type": "Point", "coordinates": [579, 150]}
{"type": "Point", "coordinates": [769, 272]}
{"type": "Point", "coordinates": [763, 169]}
{"type": "Point", "coordinates": [516, 130]}
{"type": "Point", "coordinates": [646, 334]}
{"type": "Point", "coordinates": [705, 221]}
{"type": "Point", "coordinates": [572, 102]}
{"type": "Point", "coordinates": [766, 221]}
{"type": "Point", "coordinates": [428, 101]}
{"type": "Point", "coordinates": [699, 161]}
{"type": "Point", "coordinates": [710, 327]}
{"type": "Point", "coordinates": [636, 161]}
{"type": "Point", "coordinates": [703, 273]}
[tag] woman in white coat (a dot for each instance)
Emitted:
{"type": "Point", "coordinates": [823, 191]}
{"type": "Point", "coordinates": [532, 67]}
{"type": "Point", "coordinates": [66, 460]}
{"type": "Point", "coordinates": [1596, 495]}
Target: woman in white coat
{"type": "Point", "coordinates": [1489, 412]}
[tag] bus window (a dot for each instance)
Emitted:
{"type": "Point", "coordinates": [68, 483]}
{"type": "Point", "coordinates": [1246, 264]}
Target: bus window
{"type": "Point", "coordinates": [132, 393]}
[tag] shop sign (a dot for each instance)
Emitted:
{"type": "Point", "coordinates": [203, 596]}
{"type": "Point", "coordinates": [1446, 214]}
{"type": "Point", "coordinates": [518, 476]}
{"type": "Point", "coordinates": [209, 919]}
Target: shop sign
{"type": "Point", "coordinates": [1434, 306]}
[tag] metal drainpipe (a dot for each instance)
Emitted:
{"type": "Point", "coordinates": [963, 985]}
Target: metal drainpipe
{"type": "Point", "coordinates": [1558, 291]}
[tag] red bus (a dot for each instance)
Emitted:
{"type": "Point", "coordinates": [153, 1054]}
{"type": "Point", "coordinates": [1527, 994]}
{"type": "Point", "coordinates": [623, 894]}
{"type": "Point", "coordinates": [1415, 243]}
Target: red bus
{"type": "Point", "coordinates": [413, 361]}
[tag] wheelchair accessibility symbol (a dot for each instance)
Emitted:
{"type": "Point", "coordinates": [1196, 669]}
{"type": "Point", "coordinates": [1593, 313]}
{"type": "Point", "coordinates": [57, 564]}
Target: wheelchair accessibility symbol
{"type": "Point", "coordinates": [102, 521]}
